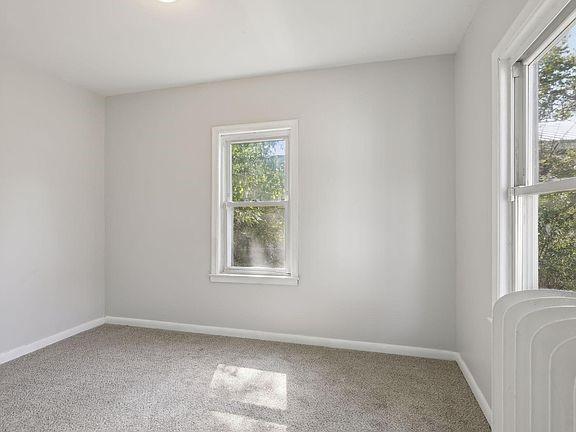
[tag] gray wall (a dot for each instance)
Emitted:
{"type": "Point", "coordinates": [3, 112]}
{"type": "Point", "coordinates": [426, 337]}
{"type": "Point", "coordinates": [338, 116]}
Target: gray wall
{"type": "Point", "coordinates": [474, 183]}
{"type": "Point", "coordinates": [377, 243]}
{"type": "Point", "coordinates": [51, 205]}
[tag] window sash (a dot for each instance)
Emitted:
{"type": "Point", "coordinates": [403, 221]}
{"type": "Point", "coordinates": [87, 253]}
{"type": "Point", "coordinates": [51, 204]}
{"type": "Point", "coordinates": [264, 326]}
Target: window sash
{"type": "Point", "coordinates": [230, 204]}
{"type": "Point", "coordinates": [552, 186]}
{"type": "Point", "coordinates": [281, 203]}
{"type": "Point", "coordinates": [526, 183]}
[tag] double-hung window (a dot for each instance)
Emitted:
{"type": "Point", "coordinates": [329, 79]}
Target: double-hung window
{"type": "Point", "coordinates": [255, 207]}
{"type": "Point", "coordinates": [544, 160]}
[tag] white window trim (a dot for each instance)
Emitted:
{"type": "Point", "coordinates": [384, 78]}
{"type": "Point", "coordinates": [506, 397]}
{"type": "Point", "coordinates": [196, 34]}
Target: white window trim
{"type": "Point", "coordinates": [218, 273]}
{"type": "Point", "coordinates": [530, 24]}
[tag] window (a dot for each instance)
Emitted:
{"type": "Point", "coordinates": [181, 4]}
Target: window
{"type": "Point", "coordinates": [255, 203]}
{"type": "Point", "coordinates": [544, 160]}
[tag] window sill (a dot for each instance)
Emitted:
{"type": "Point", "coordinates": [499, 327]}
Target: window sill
{"type": "Point", "coordinates": [254, 279]}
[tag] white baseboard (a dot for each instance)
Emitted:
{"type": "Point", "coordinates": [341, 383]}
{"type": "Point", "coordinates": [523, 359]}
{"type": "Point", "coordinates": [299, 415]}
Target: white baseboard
{"type": "Point", "coordinates": [42, 343]}
{"type": "Point", "coordinates": [289, 338]}
{"type": "Point", "coordinates": [475, 389]}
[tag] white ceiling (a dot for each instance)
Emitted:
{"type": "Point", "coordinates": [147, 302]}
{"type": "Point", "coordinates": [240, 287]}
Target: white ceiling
{"type": "Point", "coordinates": [120, 46]}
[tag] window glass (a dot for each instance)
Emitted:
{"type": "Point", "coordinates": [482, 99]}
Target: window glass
{"type": "Point", "coordinates": [557, 110]}
{"type": "Point", "coordinates": [557, 241]}
{"type": "Point", "coordinates": [258, 171]}
{"type": "Point", "coordinates": [259, 237]}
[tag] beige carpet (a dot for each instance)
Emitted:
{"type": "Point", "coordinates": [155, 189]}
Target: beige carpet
{"type": "Point", "coordinates": [118, 378]}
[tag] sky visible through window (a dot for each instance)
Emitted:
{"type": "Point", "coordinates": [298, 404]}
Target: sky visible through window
{"type": "Point", "coordinates": [571, 39]}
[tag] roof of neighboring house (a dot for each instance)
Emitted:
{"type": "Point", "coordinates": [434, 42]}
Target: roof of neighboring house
{"type": "Point", "coordinates": [558, 130]}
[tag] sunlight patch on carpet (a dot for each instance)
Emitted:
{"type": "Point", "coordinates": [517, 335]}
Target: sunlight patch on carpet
{"type": "Point", "coordinates": [235, 423]}
{"type": "Point", "coordinates": [251, 386]}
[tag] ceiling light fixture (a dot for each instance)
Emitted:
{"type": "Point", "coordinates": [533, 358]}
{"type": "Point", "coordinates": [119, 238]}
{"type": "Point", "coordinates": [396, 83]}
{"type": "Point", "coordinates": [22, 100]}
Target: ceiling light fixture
{"type": "Point", "coordinates": [167, 1]}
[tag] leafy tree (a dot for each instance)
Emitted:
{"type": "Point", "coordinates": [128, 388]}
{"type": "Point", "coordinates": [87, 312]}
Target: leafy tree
{"type": "Point", "coordinates": [557, 84]}
{"type": "Point", "coordinates": [557, 241]}
{"type": "Point", "coordinates": [557, 159]}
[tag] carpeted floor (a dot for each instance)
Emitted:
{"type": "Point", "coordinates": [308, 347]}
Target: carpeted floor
{"type": "Point", "coordinates": [117, 378]}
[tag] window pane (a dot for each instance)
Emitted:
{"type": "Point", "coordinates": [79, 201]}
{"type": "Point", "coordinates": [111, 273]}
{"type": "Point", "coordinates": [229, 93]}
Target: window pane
{"type": "Point", "coordinates": [258, 172]}
{"type": "Point", "coordinates": [259, 237]}
{"type": "Point", "coordinates": [557, 110]}
{"type": "Point", "coordinates": [557, 241]}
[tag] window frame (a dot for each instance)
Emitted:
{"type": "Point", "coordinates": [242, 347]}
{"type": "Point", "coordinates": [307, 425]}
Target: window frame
{"type": "Point", "coordinates": [527, 186]}
{"type": "Point", "coordinates": [223, 137]}
{"type": "Point", "coordinates": [514, 69]}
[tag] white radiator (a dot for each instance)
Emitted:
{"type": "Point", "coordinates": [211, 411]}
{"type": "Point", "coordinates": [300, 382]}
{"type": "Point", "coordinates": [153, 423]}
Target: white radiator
{"type": "Point", "coordinates": [534, 362]}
